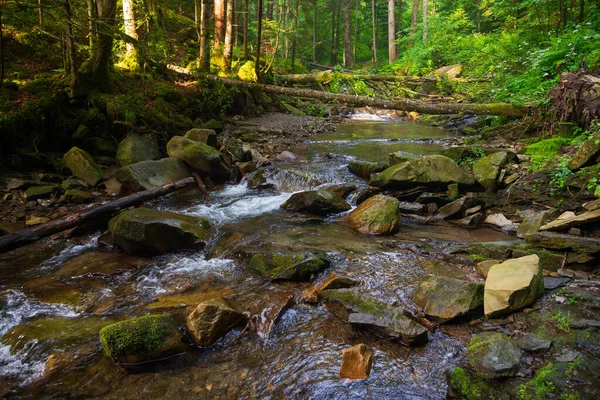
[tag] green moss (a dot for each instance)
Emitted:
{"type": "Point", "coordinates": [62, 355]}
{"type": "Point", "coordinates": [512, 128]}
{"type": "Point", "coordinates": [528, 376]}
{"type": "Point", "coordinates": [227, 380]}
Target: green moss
{"type": "Point", "coordinates": [538, 387]}
{"type": "Point", "coordinates": [353, 300]}
{"type": "Point", "coordinates": [478, 257]}
{"type": "Point", "coordinates": [469, 387]}
{"type": "Point", "coordinates": [136, 335]}
{"type": "Point", "coordinates": [295, 267]}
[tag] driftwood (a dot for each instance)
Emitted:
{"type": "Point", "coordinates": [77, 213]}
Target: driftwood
{"type": "Point", "coordinates": [504, 109]}
{"type": "Point", "coordinates": [104, 211]}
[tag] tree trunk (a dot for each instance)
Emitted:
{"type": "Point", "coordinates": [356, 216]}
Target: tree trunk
{"type": "Point", "coordinates": [503, 109]}
{"type": "Point", "coordinates": [40, 13]}
{"type": "Point", "coordinates": [347, 43]}
{"type": "Point", "coordinates": [101, 53]}
{"type": "Point", "coordinates": [70, 46]}
{"type": "Point", "coordinates": [398, 23]}
{"type": "Point", "coordinates": [130, 30]}
{"type": "Point", "coordinates": [425, 6]}
{"type": "Point", "coordinates": [227, 52]}
{"type": "Point", "coordinates": [246, 11]}
{"type": "Point", "coordinates": [325, 77]}
{"type": "Point", "coordinates": [391, 31]}
{"type": "Point", "coordinates": [205, 37]}
{"type": "Point", "coordinates": [92, 18]}
{"type": "Point", "coordinates": [315, 31]}
{"type": "Point", "coordinates": [259, 38]}
{"type": "Point", "coordinates": [333, 53]}
{"type": "Point", "coordinates": [96, 214]}
{"type": "Point", "coordinates": [415, 16]}
{"type": "Point", "coordinates": [355, 31]}
{"type": "Point", "coordinates": [374, 47]}
{"type": "Point", "coordinates": [219, 25]}
{"type": "Point", "coordinates": [581, 10]}
{"type": "Point", "coordinates": [1, 50]}
{"type": "Point", "coordinates": [295, 37]}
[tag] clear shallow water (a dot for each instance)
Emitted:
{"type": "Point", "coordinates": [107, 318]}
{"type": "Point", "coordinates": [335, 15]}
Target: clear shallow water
{"type": "Point", "coordinates": [302, 355]}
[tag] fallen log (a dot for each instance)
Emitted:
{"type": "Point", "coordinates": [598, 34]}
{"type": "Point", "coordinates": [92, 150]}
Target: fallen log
{"type": "Point", "coordinates": [325, 77]}
{"type": "Point", "coordinates": [503, 109]}
{"type": "Point", "coordinates": [104, 211]}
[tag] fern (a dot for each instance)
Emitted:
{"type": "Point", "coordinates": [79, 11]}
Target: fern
{"type": "Point", "coordinates": [545, 150]}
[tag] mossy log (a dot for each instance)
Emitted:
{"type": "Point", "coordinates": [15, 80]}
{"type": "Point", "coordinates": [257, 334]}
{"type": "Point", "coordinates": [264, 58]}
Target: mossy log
{"type": "Point", "coordinates": [96, 214]}
{"type": "Point", "coordinates": [325, 77]}
{"type": "Point", "coordinates": [503, 109]}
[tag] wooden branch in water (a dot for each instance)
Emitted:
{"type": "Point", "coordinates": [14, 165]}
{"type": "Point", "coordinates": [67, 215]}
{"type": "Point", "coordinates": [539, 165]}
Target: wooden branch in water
{"type": "Point", "coordinates": [504, 109]}
{"type": "Point", "coordinates": [104, 211]}
{"type": "Point", "coordinates": [201, 186]}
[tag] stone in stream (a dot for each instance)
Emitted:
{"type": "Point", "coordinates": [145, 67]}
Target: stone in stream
{"type": "Point", "coordinates": [356, 362]}
{"type": "Point", "coordinates": [512, 285]}
{"type": "Point", "coordinates": [430, 171]}
{"type": "Point", "coordinates": [150, 174]}
{"type": "Point", "coordinates": [78, 196]}
{"type": "Point", "coordinates": [501, 222]}
{"type": "Point", "coordinates": [399, 157]}
{"type": "Point", "coordinates": [292, 267]}
{"type": "Point", "coordinates": [565, 223]}
{"type": "Point", "coordinates": [483, 267]}
{"type": "Point", "coordinates": [342, 189]}
{"type": "Point", "coordinates": [50, 290]}
{"type": "Point", "coordinates": [364, 311]}
{"type": "Point", "coordinates": [378, 215]}
{"type": "Point", "coordinates": [471, 221]}
{"type": "Point", "coordinates": [73, 184]}
{"type": "Point", "coordinates": [137, 148]}
{"type": "Point", "coordinates": [533, 222]}
{"type": "Point", "coordinates": [364, 169]}
{"type": "Point", "coordinates": [148, 231]}
{"type": "Point", "coordinates": [493, 355]}
{"type": "Point", "coordinates": [40, 192]}
{"type": "Point", "coordinates": [319, 202]}
{"type": "Point", "coordinates": [310, 295]}
{"type": "Point", "coordinates": [200, 157]}
{"type": "Point", "coordinates": [444, 298]}
{"type": "Point", "coordinates": [487, 169]}
{"type": "Point", "coordinates": [457, 207]}
{"type": "Point", "coordinates": [560, 241]}
{"type": "Point", "coordinates": [83, 166]}
{"type": "Point", "coordinates": [211, 320]}
{"type": "Point", "coordinates": [141, 339]}
{"type": "Point", "coordinates": [205, 136]}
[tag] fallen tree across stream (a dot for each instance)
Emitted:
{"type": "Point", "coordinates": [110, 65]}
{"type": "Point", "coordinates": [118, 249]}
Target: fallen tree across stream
{"type": "Point", "coordinates": [503, 109]}
{"type": "Point", "coordinates": [96, 214]}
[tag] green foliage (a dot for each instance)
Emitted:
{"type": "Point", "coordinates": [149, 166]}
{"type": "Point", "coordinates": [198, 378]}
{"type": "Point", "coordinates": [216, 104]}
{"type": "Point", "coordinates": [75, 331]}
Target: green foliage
{"type": "Point", "coordinates": [470, 388]}
{"type": "Point", "coordinates": [538, 387]}
{"type": "Point", "coordinates": [545, 151]}
{"type": "Point", "coordinates": [467, 161]}
{"type": "Point", "coordinates": [562, 321]}
{"type": "Point", "coordinates": [559, 176]}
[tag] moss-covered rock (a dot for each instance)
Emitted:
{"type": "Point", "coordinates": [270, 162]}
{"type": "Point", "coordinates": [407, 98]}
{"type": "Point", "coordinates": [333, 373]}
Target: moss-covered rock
{"type": "Point", "coordinates": [470, 388]}
{"type": "Point", "coordinates": [78, 196]}
{"type": "Point", "coordinates": [293, 267]}
{"type": "Point", "coordinates": [493, 355]}
{"type": "Point", "coordinates": [487, 169]}
{"type": "Point", "coordinates": [83, 166]}
{"type": "Point", "coordinates": [378, 215]}
{"type": "Point", "coordinates": [586, 154]}
{"type": "Point", "coordinates": [212, 124]}
{"type": "Point", "coordinates": [199, 156]}
{"type": "Point", "coordinates": [73, 184]}
{"type": "Point", "coordinates": [365, 169]}
{"type": "Point", "coordinates": [141, 339]}
{"type": "Point", "coordinates": [431, 171]}
{"type": "Point", "coordinates": [400, 157]}
{"type": "Point", "coordinates": [292, 110]}
{"type": "Point", "coordinates": [211, 320]}
{"type": "Point", "coordinates": [319, 202]}
{"type": "Point", "coordinates": [148, 231]}
{"type": "Point", "coordinates": [205, 136]}
{"type": "Point", "coordinates": [137, 148]}
{"type": "Point", "coordinates": [151, 174]}
{"type": "Point", "coordinates": [247, 72]}
{"type": "Point", "coordinates": [444, 298]}
{"type": "Point", "coordinates": [41, 192]}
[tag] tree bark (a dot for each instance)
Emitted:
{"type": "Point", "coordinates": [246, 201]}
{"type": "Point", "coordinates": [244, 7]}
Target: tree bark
{"type": "Point", "coordinates": [227, 52]}
{"type": "Point", "coordinates": [258, 39]}
{"type": "Point", "coordinates": [246, 10]}
{"type": "Point", "coordinates": [355, 30]}
{"type": "Point", "coordinates": [92, 17]}
{"type": "Point", "coordinates": [96, 214]}
{"type": "Point", "coordinates": [70, 46]}
{"type": "Point", "coordinates": [314, 54]}
{"type": "Point", "coordinates": [130, 29]}
{"type": "Point", "coordinates": [1, 50]}
{"type": "Point", "coordinates": [219, 14]}
{"type": "Point", "coordinates": [101, 52]}
{"type": "Point", "coordinates": [327, 76]}
{"type": "Point", "coordinates": [333, 53]}
{"type": "Point", "coordinates": [347, 43]}
{"type": "Point", "coordinates": [295, 37]}
{"type": "Point", "coordinates": [503, 109]}
{"type": "Point", "coordinates": [374, 47]}
{"type": "Point", "coordinates": [425, 11]}
{"type": "Point", "coordinates": [204, 63]}
{"type": "Point", "coordinates": [415, 16]}
{"type": "Point", "coordinates": [40, 13]}
{"type": "Point", "coordinates": [391, 31]}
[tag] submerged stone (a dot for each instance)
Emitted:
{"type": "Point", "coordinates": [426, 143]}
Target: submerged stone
{"type": "Point", "coordinates": [50, 290]}
{"type": "Point", "coordinates": [293, 267]}
{"type": "Point", "coordinates": [141, 339]}
{"type": "Point", "coordinates": [78, 196]}
{"type": "Point", "coordinates": [378, 215]}
{"type": "Point", "coordinates": [212, 320]}
{"type": "Point", "coordinates": [148, 231]}
{"type": "Point", "coordinates": [492, 355]}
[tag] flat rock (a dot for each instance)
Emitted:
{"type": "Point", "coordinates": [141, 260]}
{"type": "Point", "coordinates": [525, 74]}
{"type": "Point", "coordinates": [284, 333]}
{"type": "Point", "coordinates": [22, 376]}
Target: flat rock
{"type": "Point", "coordinates": [532, 223]}
{"type": "Point", "coordinates": [501, 222]}
{"type": "Point", "coordinates": [471, 221]}
{"type": "Point", "coordinates": [455, 208]}
{"type": "Point", "coordinates": [551, 283]}
{"type": "Point", "coordinates": [559, 241]}
{"type": "Point", "coordinates": [566, 223]}
{"type": "Point", "coordinates": [586, 154]}
{"type": "Point", "coordinates": [288, 266]}
{"type": "Point", "coordinates": [533, 343]}
{"type": "Point", "coordinates": [150, 174]}
{"type": "Point", "coordinates": [137, 148]}
{"type": "Point", "coordinates": [365, 169]}
{"type": "Point", "coordinates": [356, 362]}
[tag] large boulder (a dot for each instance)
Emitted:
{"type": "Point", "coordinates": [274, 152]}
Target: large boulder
{"type": "Point", "coordinates": [292, 267]}
{"type": "Point", "coordinates": [83, 166]}
{"type": "Point", "coordinates": [365, 169]}
{"type": "Point", "coordinates": [445, 298]}
{"type": "Point", "coordinates": [151, 174]}
{"type": "Point", "coordinates": [316, 202]}
{"type": "Point", "coordinates": [512, 285]}
{"type": "Point", "coordinates": [493, 355]}
{"type": "Point", "coordinates": [586, 154]}
{"type": "Point", "coordinates": [487, 169]}
{"type": "Point", "coordinates": [141, 339]}
{"type": "Point", "coordinates": [212, 320]}
{"type": "Point", "coordinates": [199, 156]}
{"type": "Point", "coordinates": [431, 171]}
{"type": "Point", "coordinates": [148, 231]}
{"type": "Point", "coordinates": [137, 148]}
{"type": "Point", "coordinates": [205, 136]}
{"type": "Point", "coordinates": [378, 215]}
{"type": "Point", "coordinates": [367, 312]}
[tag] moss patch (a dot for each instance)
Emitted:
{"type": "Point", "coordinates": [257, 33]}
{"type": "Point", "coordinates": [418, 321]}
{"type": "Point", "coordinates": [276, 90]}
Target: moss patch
{"type": "Point", "coordinates": [470, 388]}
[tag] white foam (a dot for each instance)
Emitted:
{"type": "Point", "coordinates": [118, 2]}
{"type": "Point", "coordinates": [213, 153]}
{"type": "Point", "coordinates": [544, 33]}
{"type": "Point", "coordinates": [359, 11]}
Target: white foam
{"type": "Point", "coordinates": [70, 253]}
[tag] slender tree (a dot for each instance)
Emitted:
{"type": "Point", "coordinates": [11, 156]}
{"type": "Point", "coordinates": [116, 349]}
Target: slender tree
{"type": "Point", "coordinates": [295, 37]}
{"type": "Point", "coordinates": [374, 48]}
{"type": "Point", "coordinates": [347, 43]}
{"type": "Point", "coordinates": [130, 30]}
{"type": "Point", "coordinates": [70, 64]}
{"type": "Point", "coordinates": [415, 16]}
{"type": "Point", "coordinates": [246, 10]}
{"type": "Point", "coordinates": [204, 62]}
{"type": "Point", "coordinates": [425, 16]}
{"type": "Point", "coordinates": [219, 10]}
{"type": "Point", "coordinates": [259, 38]}
{"type": "Point", "coordinates": [391, 31]}
{"type": "Point", "coordinates": [314, 49]}
{"type": "Point", "coordinates": [355, 30]}
{"type": "Point", "coordinates": [40, 13]}
{"type": "Point", "coordinates": [227, 52]}
{"type": "Point", "coordinates": [1, 49]}
{"type": "Point", "coordinates": [99, 64]}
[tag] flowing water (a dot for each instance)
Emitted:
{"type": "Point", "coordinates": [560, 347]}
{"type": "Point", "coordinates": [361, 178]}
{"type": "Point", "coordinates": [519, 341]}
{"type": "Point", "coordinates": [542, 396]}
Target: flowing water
{"type": "Point", "coordinates": [55, 296]}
